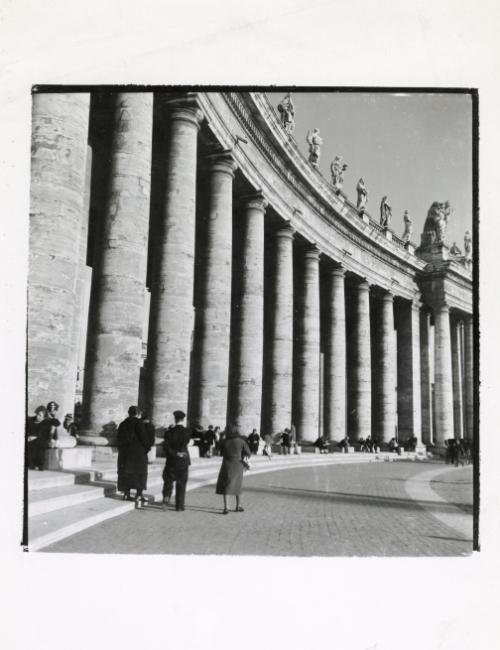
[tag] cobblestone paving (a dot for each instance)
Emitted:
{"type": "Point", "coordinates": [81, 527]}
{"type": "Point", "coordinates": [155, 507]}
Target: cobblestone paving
{"type": "Point", "coordinates": [456, 488]}
{"type": "Point", "coordinates": [355, 510]}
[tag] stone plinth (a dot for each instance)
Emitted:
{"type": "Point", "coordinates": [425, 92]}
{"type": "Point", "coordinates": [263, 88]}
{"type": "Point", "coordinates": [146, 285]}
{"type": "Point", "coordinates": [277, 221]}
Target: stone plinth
{"type": "Point", "coordinates": [443, 389]}
{"type": "Point", "coordinates": [171, 312]}
{"type": "Point", "coordinates": [307, 366]}
{"type": "Point", "coordinates": [247, 337]}
{"type": "Point", "coordinates": [335, 359]}
{"type": "Point", "coordinates": [277, 397]}
{"type": "Point", "coordinates": [68, 458]}
{"type": "Point", "coordinates": [209, 377]}
{"type": "Point", "coordinates": [117, 300]}
{"type": "Point", "coordinates": [58, 163]}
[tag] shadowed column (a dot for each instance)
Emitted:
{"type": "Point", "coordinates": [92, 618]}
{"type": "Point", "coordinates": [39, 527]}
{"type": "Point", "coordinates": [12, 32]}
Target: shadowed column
{"type": "Point", "coordinates": [386, 382]}
{"type": "Point", "coordinates": [425, 377]}
{"type": "Point", "coordinates": [361, 371]}
{"type": "Point", "coordinates": [116, 312]}
{"type": "Point", "coordinates": [306, 384]}
{"type": "Point", "coordinates": [277, 399]}
{"type": "Point", "coordinates": [247, 335]}
{"type": "Point", "coordinates": [469, 377]}
{"type": "Point", "coordinates": [210, 368]}
{"type": "Point", "coordinates": [456, 363]}
{"type": "Point", "coordinates": [171, 313]}
{"type": "Point", "coordinates": [60, 124]}
{"type": "Point", "coordinates": [335, 359]}
{"type": "Point", "coordinates": [409, 399]}
{"type": "Point", "coordinates": [443, 389]}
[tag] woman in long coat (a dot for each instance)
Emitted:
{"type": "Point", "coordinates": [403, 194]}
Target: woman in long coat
{"type": "Point", "coordinates": [133, 445]}
{"type": "Point", "coordinates": [234, 451]}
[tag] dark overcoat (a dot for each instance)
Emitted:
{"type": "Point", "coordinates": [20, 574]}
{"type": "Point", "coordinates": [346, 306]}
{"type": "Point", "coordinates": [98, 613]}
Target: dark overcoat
{"type": "Point", "coordinates": [230, 478]}
{"type": "Point", "coordinates": [133, 446]}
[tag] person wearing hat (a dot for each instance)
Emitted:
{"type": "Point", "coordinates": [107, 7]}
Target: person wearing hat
{"type": "Point", "coordinates": [177, 462]}
{"type": "Point", "coordinates": [234, 452]}
{"type": "Point", "coordinates": [133, 446]}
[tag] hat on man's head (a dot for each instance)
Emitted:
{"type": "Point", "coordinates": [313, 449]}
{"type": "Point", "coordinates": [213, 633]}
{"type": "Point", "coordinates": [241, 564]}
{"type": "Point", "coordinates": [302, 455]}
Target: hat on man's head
{"type": "Point", "coordinates": [179, 415]}
{"type": "Point", "coordinates": [52, 405]}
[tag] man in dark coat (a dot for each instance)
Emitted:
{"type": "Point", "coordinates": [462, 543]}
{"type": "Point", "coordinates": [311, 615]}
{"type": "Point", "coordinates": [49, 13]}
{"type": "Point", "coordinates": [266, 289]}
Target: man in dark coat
{"type": "Point", "coordinates": [133, 446]}
{"type": "Point", "coordinates": [253, 441]}
{"type": "Point", "coordinates": [177, 463]}
{"type": "Point", "coordinates": [34, 453]}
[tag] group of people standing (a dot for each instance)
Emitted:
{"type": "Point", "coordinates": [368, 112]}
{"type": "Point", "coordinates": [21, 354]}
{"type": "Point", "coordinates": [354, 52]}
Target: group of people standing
{"type": "Point", "coordinates": [43, 431]}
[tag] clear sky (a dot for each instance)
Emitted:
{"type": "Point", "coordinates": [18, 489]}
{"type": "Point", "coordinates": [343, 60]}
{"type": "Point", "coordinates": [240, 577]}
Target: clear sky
{"type": "Point", "coordinates": [415, 148]}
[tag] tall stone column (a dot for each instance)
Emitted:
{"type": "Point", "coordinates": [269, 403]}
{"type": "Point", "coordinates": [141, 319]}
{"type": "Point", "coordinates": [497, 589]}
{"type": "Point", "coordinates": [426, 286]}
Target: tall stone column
{"type": "Point", "coordinates": [60, 124]}
{"type": "Point", "coordinates": [277, 399]}
{"type": "Point", "coordinates": [307, 382]}
{"type": "Point", "coordinates": [171, 313]}
{"type": "Point", "coordinates": [385, 415]}
{"type": "Point", "coordinates": [425, 378]}
{"type": "Point", "coordinates": [335, 359]}
{"type": "Point", "coordinates": [443, 388]}
{"type": "Point", "coordinates": [469, 377]}
{"type": "Point", "coordinates": [456, 364]}
{"type": "Point", "coordinates": [81, 284]}
{"type": "Point", "coordinates": [247, 335]}
{"type": "Point", "coordinates": [409, 396]}
{"type": "Point", "coordinates": [116, 317]}
{"type": "Point", "coordinates": [210, 367]}
{"type": "Point", "coordinates": [361, 371]}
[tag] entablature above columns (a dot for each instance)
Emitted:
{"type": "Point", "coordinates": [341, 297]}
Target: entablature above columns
{"type": "Point", "coordinates": [302, 197]}
{"type": "Point", "coordinates": [442, 286]}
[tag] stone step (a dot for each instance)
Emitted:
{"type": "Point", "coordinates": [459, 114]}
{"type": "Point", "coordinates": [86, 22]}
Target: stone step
{"type": "Point", "coordinates": [45, 529]}
{"type": "Point", "coordinates": [46, 480]}
{"type": "Point", "coordinates": [63, 496]}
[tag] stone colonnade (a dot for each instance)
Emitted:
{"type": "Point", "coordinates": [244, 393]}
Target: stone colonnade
{"type": "Point", "coordinates": [205, 354]}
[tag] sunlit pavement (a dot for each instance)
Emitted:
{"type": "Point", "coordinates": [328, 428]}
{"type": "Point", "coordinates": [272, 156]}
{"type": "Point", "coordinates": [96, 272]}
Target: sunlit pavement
{"type": "Point", "coordinates": [382, 509]}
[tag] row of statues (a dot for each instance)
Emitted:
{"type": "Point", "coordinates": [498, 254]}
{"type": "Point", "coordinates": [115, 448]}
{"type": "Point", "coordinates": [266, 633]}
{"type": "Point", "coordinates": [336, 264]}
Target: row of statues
{"type": "Point", "coordinates": [437, 216]}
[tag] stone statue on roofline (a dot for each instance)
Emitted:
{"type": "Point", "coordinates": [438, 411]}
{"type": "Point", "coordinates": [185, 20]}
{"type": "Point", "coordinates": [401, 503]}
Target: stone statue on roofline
{"type": "Point", "coordinates": [362, 195]}
{"type": "Point", "coordinates": [468, 245]}
{"type": "Point", "coordinates": [287, 113]}
{"type": "Point", "coordinates": [455, 250]}
{"type": "Point", "coordinates": [385, 213]}
{"type": "Point", "coordinates": [436, 223]}
{"type": "Point", "coordinates": [408, 232]}
{"type": "Point", "coordinates": [337, 169]}
{"type": "Point", "coordinates": [314, 141]}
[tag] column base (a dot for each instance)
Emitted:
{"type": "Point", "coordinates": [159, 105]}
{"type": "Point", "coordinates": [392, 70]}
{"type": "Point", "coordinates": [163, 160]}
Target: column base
{"type": "Point", "coordinates": [68, 458]}
{"type": "Point", "coordinates": [96, 441]}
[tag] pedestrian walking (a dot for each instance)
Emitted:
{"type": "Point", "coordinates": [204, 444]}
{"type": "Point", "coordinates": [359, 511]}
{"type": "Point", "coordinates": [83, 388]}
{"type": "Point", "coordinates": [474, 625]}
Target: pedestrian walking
{"type": "Point", "coordinates": [177, 463]}
{"type": "Point", "coordinates": [133, 444]}
{"type": "Point", "coordinates": [234, 452]}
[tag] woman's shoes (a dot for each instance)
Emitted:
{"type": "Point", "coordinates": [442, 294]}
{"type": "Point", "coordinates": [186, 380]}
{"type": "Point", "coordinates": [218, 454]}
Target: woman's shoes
{"type": "Point", "coordinates": [225, 511]}
{"type": "Point", "coordinates": [239, 509]}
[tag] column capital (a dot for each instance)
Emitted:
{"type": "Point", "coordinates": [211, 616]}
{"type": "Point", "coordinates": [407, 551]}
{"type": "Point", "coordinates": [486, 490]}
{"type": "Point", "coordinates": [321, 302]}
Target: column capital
{"type": "Point", "coordinates": [338, 272]}
{"type": "Point", "coordinates": [387, 296]}
{"type": "Point", "coordinates": [185, 108]}
{"type": "Point", "coordinates": [286, 231]}
{"type": "Point", "coordinates": [441, 307]}
{"type": "Point", "coordinates": [222, 161]}
{"type": "Point", "coordinates": [255, 200]}
{"type": "Point", "coordinates": [312, 252]}
{"type": "Point", "coordinates": [364, 285]}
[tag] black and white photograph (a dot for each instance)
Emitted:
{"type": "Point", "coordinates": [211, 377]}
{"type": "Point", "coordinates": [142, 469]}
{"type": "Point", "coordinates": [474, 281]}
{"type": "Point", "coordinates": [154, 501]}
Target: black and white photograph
{"type": "Point", "coordinates": [249, 366]}
{"type": "Point", "coordinates": [226, 300]}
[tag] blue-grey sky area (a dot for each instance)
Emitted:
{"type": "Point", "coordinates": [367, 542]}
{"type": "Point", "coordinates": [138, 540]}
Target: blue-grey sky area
{"type": "Point", "coordinates": [415, 148]}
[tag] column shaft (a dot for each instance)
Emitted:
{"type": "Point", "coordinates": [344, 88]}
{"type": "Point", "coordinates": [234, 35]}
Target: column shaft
{"type": "Point", "coordinates": [456, 362]}
{"type": "Point", "coordinates": [335, 359]}
{"type": "Point", "coordinates": [116, 311]}
{"type": "Point", "coordinates": [171, 314]}
{"type": "Point", "coordinates": [306, 385]}
{"type": "Point", "coordinates": [361, 371]}
{"type": "Point", "coordinates": [247, 334]}
{"type": "Point", "coordinates": [385, 416]}
{"type": "Point", "coordinates": [469, 377]}
{"type": "Point", "coordinates": [59, 148]}
{"type": "Point", "coordinates": [210, 368]}
{"type": "Point", "coordinates": [409, 396]}
{"type": "Point", "coordinates": [277, 398]}
{"type": "Point", "coordinates": [443, 389]}
{"type": "Point", "coordinates": [425, 378]}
